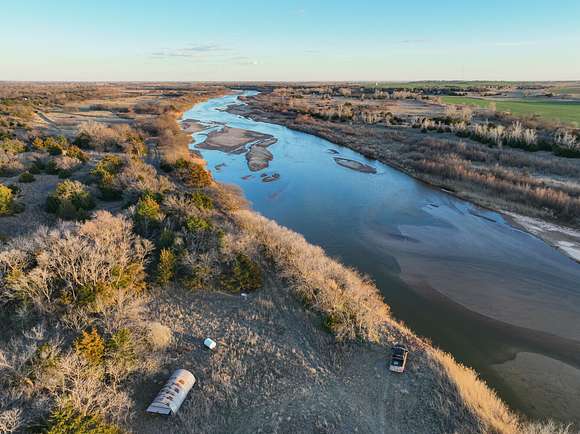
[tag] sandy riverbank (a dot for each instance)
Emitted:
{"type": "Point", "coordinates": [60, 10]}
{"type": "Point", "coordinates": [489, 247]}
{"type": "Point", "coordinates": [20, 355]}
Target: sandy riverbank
{"type": "Point", "coordinates": [567, 240]}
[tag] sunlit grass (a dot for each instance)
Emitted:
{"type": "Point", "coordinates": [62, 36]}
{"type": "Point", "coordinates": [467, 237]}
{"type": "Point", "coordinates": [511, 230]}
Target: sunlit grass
{"type": "Point", "coordinates": [568, 112]}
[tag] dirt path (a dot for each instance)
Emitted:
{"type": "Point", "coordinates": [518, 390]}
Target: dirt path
{"type": "Point", "coordinates": [47, 119]}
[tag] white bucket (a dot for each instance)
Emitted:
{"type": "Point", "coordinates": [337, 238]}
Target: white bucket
{"type": "Point", "coordinates": [173, 393]}
{"type": "Point", "coordinates": [210, 343]}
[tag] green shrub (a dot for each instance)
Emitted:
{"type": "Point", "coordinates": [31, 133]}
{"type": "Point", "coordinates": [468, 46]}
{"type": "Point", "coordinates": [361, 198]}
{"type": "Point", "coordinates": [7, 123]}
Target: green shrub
{"type": "Point", "coordinates": [47, 355]}
{"type": "Point", "coordinates": [195, 224]}
{"type": "Point", "coordinates": [54, 146]}
{"type": "Point", "coordinates": [44, 361]}
{"type": "Point", "coordinates": [51, 168]}
{"type": "Point", "coordinates": [83, 140]}
{"type": "Point", "coordinates": [192, 174]}
{"type": "Point", "coordinates": [565, 152]}
{"type": "Point", "coordinates": [38, 144]}
{"type": "Point", "coordinates": [75, 152]}
{"type": "Point", "coordinates": [67, 420]}
{"type": "Point", "coordinates": [202, 201]}
{"type": "Point", "coordinates": [148, 214]}
{"type": "Point", "coordinates": [12, 146]}
{"type": "Point", "coordinates": [70, 201]}
{"type": "Point", "coordinates": [198, 277]}
{"type": "Point", "coordinates": [135, 146]}
{"type": "Point", "coordinates": [166, 166]}
{"type": "Point", "coordinates": [243, 275]}
{"type": "Point", "coordinates": [166, 266]}
{"type": "Point", "coordinates": [120, 349]}
{"type": "Point", "coordinates": [91, 346]}
{"type": "Point", "coordinates": [108, 187]}
{"type": "Point", "coordinates": [26, 177]}
{"type": "Point", "coordinates": [36, 168]}
{"type": "Point", "coordinates": [121, 341]}
{"type": "Point", "coordinates": [106, 171]}
{"type": "Point", "coordinates": [6, 200]}
{"type": "Point", "coordinates": [109, 164]}
{"type": "Point", "coordinates": [166, 238]}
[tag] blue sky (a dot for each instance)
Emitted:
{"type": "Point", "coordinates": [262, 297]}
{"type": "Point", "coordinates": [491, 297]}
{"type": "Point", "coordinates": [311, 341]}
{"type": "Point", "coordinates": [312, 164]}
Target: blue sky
{"type": "Point", "coordinates": [290, 40]}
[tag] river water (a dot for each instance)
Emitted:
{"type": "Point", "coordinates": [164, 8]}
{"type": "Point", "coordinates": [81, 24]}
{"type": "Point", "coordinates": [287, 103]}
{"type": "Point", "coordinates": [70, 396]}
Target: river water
{"type": "Point", "coordinates": [455, 273]}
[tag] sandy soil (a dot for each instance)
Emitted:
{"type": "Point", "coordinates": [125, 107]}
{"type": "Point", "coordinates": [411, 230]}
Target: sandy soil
{"type": "Point", "coordinates": [33, 195]}
{"type": "Point", "coordinates": [231, 139]}
{"type": "Point", "coordinates": [562, 384]}
{"type": "Point", "coordinates": [275, 370]}
{"type": "Point", "coordinates": [192, 126]}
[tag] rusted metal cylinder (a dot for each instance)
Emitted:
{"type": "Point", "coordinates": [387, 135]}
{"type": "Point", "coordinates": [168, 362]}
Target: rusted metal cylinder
{"type": "Point", "coordinates": [173, 393]}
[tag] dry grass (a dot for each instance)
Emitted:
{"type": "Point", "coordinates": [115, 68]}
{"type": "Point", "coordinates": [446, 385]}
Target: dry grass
{"type": "Point", "coordinates": [352, 305]}
{"type": "Point", "coordinates": [159, 335]}
{"type": "Point", "coordinates": [473, 393]}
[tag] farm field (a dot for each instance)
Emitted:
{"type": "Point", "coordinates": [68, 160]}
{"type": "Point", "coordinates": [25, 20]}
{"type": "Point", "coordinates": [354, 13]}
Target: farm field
{"type": "Point", "coordinates": [439, 84]}
{"type": "Point", "coordinates": [566, 112]}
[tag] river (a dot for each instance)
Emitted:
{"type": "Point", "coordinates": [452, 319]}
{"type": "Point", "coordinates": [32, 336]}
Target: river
{"type": "Point", "coordinates": [457, 274]}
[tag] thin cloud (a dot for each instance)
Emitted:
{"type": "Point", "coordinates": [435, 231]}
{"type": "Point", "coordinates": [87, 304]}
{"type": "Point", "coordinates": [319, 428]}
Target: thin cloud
{"type": "Point", "coordinates": [514, 43]}
{"type": "Point", "coordinates": [414, 41]}
{"type": "Point", "coordinates": [196, 51]}
{"type": "Point", "coordinates": [205, 48]}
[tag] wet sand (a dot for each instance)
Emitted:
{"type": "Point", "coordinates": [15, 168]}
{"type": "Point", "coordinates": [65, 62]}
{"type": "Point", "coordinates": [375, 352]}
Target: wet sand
{"type": "Point", "coordinates": [233, 139]}
{"type": "Point", "coordinates": [236, 140]}
{"type": "Point", "coordinates": [555, 384]}
{"type": "Point", "coordinates": [354, 165]}
{"type": "Point", "coordinates": [258, 157]}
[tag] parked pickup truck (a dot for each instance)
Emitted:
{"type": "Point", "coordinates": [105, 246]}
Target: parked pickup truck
{"type": "Point", "coordinates": [399, 355]}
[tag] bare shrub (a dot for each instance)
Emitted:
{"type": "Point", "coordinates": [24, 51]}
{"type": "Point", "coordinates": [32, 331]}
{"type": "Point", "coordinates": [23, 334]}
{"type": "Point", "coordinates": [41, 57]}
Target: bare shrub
{"type": "Point", "coordinates": [106, 138]}
{"type": "Point", "coordinates": [66, 163]}
{"type": "Point", "coordinates": [566, 140]}
{"type": "Point", "coordinates": [84, 389]}
{"type": "Point", "coordinates": [74, 263]}
{"type": "Point", "coordinates": [10, 164]}
{"type": "Point", "coordinates": [10, 420]}
{"type": "Point", "coordinates": [138, 177]}
{"type": "Point", "coordinates": [566, 144]}
{"type": "Point", "coordinates": [463, 113]}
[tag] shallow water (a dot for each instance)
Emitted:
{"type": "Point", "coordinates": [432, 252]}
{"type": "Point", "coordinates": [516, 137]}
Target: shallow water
{"type": "Point", "coordinates": [455, 273]}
